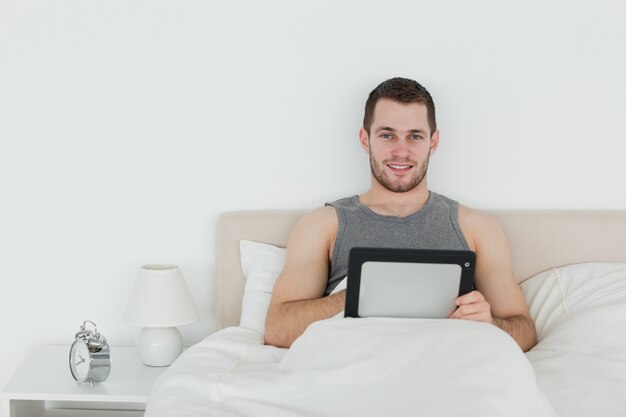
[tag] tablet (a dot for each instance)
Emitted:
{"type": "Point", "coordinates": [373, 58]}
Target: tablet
{"type": "Point", "coordinates": [410, 283]}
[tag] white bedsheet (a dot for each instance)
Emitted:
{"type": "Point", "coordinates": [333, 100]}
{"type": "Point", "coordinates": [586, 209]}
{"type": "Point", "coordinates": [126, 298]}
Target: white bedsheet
{"type": "Point", "coordinates": [346, 367]}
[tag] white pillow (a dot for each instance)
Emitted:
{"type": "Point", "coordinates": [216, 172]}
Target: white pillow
{"type": "Point", "coordinates": [555, 295]}
{"type": "Point", "coordinates": [580, 360]}
{"type": "Point", "coordinates": [262, 264]}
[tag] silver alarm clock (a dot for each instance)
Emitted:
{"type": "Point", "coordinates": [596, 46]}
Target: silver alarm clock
{"type": "Point", "coordinates": [90, 356]}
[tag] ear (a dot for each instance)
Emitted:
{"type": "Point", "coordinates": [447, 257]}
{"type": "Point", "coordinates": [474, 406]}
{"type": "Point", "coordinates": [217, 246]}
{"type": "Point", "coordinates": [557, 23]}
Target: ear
{"type": "Point", "coordinates": [364, 139]}
{"type": "Point", "coordinates": [434, 141]}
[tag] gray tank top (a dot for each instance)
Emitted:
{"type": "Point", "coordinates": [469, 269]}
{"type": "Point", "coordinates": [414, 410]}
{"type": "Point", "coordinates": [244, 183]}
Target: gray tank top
{"type": "Point", "coordinates": [435, 226]}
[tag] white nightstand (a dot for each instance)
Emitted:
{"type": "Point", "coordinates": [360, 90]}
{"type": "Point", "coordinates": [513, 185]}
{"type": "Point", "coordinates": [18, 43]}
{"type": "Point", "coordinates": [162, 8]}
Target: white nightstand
{"type": "Point", "coordinates": [43, 386]}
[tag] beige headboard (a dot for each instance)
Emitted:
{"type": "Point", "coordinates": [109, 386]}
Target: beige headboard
{"type": "Point", "coordinates": [539, 240]}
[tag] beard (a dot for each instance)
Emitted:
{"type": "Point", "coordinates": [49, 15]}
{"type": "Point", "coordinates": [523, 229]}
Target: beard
{"type": "Point", "coordinates": [398, 186]}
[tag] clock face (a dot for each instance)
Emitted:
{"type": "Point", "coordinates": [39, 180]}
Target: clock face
{"type": "Point", "coordinates": [80, 360]}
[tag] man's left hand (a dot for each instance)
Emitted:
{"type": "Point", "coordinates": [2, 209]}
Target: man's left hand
{"type": "Point", "coordinates": [472, 306]}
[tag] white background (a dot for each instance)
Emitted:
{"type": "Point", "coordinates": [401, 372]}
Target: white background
{"type": "Point", "coordinates": [126, 127]}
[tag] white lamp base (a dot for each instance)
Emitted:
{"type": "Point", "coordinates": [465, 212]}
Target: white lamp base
{"type": "Point", "coordinates": [159, 346]}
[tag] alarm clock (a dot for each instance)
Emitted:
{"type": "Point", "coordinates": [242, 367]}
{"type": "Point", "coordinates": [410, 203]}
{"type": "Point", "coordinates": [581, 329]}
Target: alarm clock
{"type": "Point", "coordinates": [90, 356]}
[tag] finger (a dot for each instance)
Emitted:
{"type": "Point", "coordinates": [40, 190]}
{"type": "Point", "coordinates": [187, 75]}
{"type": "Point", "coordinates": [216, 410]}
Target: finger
{"type": "Point", "coordinates": [470, 297]}
{"type": "Point", "coordinates": [464, 310]}
{"type": "Point", "coordinates": [474, 308]}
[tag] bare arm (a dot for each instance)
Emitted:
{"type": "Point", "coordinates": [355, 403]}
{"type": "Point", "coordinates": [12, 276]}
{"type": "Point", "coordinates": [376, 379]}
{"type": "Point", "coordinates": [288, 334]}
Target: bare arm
{"type": "Point", "coordinates": [498, 299]}
{"type": "Point", "coordinates": [298, 296]}
{"type": "Point", "coordinates": [291, 318]}
{"type": "Point", "coordinates": [521, 328]}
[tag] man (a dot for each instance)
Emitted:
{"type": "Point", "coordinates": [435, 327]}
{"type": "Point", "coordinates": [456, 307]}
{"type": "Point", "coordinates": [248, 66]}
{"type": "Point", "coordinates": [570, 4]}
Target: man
{"type": "Point", "coordinates": [400, 134]}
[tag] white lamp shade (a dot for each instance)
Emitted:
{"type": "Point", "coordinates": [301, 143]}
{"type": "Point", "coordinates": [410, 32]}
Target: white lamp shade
{"type": "Point", "coordinates": [160, 298]}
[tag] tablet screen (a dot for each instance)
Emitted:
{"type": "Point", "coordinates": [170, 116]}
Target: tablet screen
{"type": "Point", "coordinates": [401, 289]}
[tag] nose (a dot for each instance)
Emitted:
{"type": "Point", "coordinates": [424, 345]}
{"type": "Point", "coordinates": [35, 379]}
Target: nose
{"type": "Point", "coordinates": [400, 149]}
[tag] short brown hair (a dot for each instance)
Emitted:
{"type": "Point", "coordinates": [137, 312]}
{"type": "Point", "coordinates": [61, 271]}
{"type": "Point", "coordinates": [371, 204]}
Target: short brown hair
{"type": "Point", "coordinates": [402, 90]}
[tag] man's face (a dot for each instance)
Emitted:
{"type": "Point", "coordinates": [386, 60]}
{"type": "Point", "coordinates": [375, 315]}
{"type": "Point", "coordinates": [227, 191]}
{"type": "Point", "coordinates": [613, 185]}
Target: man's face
{"type": "Point", "coordinates": [399, 144]}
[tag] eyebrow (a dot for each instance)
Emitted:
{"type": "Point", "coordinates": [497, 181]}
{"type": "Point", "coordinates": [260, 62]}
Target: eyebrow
{"type": "Point", "coordinates": [391, 129]}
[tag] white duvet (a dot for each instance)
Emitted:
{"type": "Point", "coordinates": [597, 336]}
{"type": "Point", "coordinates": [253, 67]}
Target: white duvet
{"type": "Point", "coordinates": [350, 367]}
{"type": "Point", "coordinates": [402, 367]}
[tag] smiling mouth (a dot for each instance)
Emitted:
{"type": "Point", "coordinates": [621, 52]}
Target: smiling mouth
{"type": "Point", "coordinates": [400, 167]}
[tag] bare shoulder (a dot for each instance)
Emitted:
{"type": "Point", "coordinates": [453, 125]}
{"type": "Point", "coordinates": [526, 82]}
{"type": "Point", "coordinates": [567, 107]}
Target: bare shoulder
{"type": "Point", "coordinates": [320, 217]}
{"type": "Point", "coordinates": [319, 222]}
{"type": "Point", "coordinates": [476, 218]}
{"type": "Point", "coordinates": [478, 225]}
{"type": "Point", "coordinates": [316, 229]}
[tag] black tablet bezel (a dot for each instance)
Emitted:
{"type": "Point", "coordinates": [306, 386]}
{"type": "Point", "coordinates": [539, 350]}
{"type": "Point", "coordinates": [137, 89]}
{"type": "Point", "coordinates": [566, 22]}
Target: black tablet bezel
{"type": "Point", "coordinates": [359, 255]}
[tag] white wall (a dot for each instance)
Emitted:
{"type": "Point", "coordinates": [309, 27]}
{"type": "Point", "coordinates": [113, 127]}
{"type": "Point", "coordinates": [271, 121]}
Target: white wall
{"type": "Point", "coordinates": [126, 127]}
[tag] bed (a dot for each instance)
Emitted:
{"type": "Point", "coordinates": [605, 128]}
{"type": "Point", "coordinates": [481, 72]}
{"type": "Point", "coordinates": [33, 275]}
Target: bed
{"type": "Point", "coordinates": [571, 266]}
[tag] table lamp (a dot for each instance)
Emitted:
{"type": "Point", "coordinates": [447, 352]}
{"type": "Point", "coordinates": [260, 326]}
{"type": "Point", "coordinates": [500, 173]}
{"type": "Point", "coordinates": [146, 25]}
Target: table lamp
{"type": "Point", "coordinates": [159, 301]}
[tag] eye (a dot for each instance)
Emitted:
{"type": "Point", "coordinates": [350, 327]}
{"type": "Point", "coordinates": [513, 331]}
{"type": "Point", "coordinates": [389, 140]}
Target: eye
{"type": "Point", "coordinates": [385, 135]}
{"type": "Point", "coordinates": [416, 137]}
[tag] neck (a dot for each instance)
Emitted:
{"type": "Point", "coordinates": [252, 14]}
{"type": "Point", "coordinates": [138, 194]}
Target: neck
{"type": "Point", "coordinates": [382, 201]}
